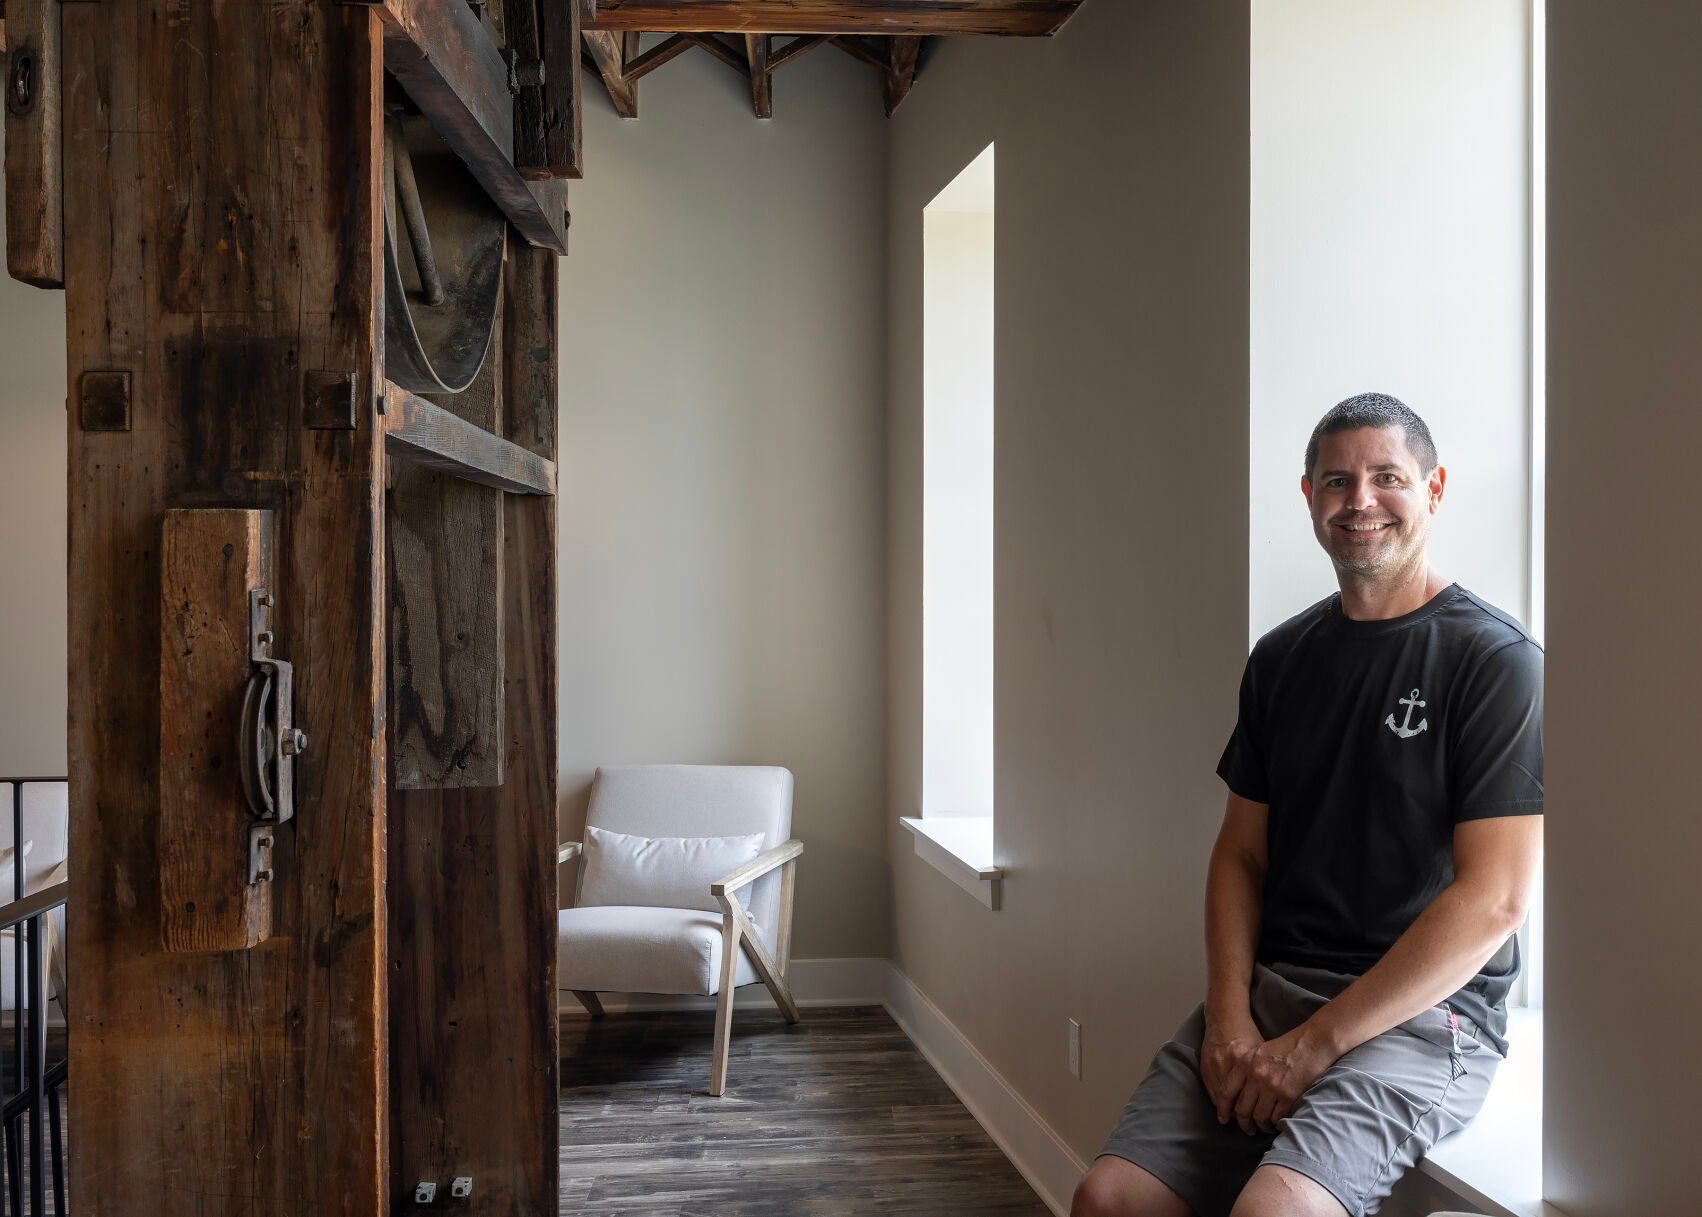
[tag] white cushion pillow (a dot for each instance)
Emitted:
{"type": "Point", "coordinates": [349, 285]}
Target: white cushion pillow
{"type": "Point", "coordinates": [661, 872]}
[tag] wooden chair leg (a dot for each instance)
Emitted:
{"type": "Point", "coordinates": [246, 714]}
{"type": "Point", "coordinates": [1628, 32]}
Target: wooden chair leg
{"type": "Point", "coordinates": [724, 1002]}
{"type": "Point", "coordinates": [590, 1001]}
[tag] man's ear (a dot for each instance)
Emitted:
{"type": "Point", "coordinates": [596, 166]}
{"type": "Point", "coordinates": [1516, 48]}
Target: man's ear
{"type": "Point", "coordinates": [1306, 489]}
{"type": "Point", "coordinates": [1438, 480]}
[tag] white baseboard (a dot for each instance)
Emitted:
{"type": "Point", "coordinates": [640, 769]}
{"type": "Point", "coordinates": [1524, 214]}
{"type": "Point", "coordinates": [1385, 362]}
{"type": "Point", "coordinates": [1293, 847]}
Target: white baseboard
{"type": "Point", "coordinates": [1038, 1153]}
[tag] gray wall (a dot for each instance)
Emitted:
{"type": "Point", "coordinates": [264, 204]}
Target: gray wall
{"type": "Point", "coordinates": [1624, 653]}
{"type": "Point", "coordinates": [722, 561]}
{"type": "Point", "coordinates": [32, 529]}
{"type": "Point", "coordinates": [1121, 524]}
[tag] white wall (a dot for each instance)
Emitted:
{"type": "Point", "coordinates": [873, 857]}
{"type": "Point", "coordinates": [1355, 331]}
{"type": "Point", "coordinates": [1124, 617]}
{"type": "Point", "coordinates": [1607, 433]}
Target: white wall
{"type": "Point", "coordinates": [32, 529]}
{"type": "Point", "coordinates": [1120, 628]}
{"type": "Point", "coordinates": [1624, 654]}
{"type": "Point", "coordinates": [721, 456]}
{"type": "Point", "coordinates": [1390, 238]}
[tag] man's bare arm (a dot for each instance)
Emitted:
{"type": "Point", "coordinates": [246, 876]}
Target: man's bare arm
{"type": "Point", "coordinates": [1234, 887]}
{"type": "Point", "coordinates": [1495, 869]}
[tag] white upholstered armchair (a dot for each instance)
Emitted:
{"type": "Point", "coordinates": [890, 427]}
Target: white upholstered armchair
{"type": "Point", "coordinates": [685, 884]}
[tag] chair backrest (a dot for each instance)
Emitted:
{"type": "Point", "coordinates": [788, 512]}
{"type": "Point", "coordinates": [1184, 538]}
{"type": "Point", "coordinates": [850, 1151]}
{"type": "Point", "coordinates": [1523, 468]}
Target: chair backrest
{"type": "Point", "coordinates": [46, 816]}
{"type": "Point", "coordinates": [701, 801]}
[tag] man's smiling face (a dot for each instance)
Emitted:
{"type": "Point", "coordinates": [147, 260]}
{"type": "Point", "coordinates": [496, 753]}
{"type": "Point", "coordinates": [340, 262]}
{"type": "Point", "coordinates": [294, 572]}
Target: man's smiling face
{"type": "Point", "coordinates": [1371, 504]}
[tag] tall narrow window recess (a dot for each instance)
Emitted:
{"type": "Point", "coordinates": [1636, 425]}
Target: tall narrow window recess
{"type": "Point", "coordinates": [955, 830]}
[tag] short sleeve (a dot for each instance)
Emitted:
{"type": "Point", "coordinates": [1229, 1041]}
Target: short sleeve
{"type": "Point", "coordinates": [1243, 767]}
{"type": "Point", "coordinates": [1495, 748]}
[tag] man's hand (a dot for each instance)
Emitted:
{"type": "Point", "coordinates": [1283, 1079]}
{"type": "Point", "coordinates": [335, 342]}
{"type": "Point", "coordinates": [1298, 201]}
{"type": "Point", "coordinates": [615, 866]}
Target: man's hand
{"type": "Point", "coordinates": [1225, 1053]}
{"type": "Point", "coordinates": [1277, 1074]}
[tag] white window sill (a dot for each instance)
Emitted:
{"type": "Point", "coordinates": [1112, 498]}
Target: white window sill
{"type": "Point", "coordinates": [1496, 1160]}
{"type": "Point", "coordinates": [961, 849]}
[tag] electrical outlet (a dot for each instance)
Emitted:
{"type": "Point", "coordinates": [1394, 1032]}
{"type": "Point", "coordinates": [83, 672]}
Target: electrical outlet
{"type": "Point", "coordinates": [1075, 1049]}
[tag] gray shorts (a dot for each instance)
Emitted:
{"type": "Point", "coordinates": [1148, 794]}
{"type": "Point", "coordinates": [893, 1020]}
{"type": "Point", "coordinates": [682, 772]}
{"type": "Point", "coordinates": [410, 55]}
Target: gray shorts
{"type": "Point", "coordinates": [1366, 1119]}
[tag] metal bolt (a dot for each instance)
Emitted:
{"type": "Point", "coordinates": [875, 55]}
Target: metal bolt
{"type": "Point", "coordinates": [294, 742]}
{"type": "Point", "coordinates": [20, 89]}
{"type": "Point", "coordinates": [424, 1192]}
{"type": "Point", "coordinates": [267, 600]}
{"type": "Point", "coordinates": [264, 638]}
{"type": "Point", "coordinates": [462, 1187]}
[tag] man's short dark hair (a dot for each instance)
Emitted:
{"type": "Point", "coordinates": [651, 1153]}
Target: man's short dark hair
{"type": "Point", "coordinates": [1375, 410]}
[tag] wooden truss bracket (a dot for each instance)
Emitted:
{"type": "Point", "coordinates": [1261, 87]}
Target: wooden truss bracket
{"type": "Point", "coordinates": [620, 64]}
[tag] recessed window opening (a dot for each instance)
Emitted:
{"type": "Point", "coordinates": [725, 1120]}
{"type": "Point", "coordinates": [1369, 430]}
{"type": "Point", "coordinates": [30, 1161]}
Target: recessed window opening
{"type": "Point", "coordinates": [957, 501]}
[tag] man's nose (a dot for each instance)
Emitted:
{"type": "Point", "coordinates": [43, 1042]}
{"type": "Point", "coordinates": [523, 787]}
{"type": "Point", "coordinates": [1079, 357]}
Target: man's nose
{"type": "Point", "coordinates": [1361, 496]}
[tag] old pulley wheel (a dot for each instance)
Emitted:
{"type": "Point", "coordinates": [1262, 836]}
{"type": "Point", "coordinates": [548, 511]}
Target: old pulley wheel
{"type": "Point", "coordinates": [443, 243]}
{"type": "Point", "coordinates": [258, 746]}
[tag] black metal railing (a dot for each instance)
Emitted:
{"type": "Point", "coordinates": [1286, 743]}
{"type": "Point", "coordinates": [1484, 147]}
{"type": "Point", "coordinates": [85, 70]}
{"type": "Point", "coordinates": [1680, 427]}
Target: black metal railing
{"type": "Point", "coordinates": [30, 1112]}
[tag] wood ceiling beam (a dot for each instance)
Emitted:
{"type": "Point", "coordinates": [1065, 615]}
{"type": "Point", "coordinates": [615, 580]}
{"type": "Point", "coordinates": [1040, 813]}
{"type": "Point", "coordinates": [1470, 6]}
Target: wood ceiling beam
{"type": "Point", "coordinates": [883, 17]}
{"type": "Point", "coordinates": [723, 52]}
{"type": "Point", "coordinates": [901, 71]}
{"type": "Point", "coordinates": [762, 82]}
{"type": "Point", "coordinates": [604, 51]}
{"type": "Point", "coordinates": [642, 65]}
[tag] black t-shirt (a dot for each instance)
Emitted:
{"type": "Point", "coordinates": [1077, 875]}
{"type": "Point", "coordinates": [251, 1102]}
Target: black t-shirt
{"type": "Point", "coordinates": [1369, 741]}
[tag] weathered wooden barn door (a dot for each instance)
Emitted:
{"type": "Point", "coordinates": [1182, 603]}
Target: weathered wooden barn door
{"type": "Point", "coordinates": [302, 983]}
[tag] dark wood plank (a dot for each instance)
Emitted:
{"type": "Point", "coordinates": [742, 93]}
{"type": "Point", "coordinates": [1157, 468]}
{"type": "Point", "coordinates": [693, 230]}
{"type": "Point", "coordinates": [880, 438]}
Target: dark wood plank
{"type": "Point", "coordinates": [35, 234]}
{"type": "Point", "coordinates": [451, 68]}
{"type": "Point", "coordinates": [1019, 17]}
{"type": "Point", "coordinates": [604, 51]}
{"type": "Point", "coordinates": [209, 559]}
{"type": "Point", "coordinates": [762, 82]}
{"type": "Point", "coordinates": [646, 62]}
{"type": "Point", "coordinates": [793, 49]}
{"type": "Point", "coordinates": [445, 612]}
{"type": "Point", "coordinates": [220, 241]}
{"type": "Point", "coordinates": [473, 872]}
{"type": "Point", "coordinates": [425, 434]}
{"type": "Point", "coordinates": [712, 43]}
{"type": "Point", "coordinates": [903, 54]}
{"type": "Point", "coordinates": [867, 50]}
{"type": "Point", "coordinates": [837, 1114]}
{"type": "Point", "coordinates": [547, 118]}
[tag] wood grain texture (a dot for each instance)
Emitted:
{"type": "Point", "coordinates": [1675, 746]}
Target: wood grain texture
{"type": "Point", "coordinates": [838, 1114]}
{"type": "Point", "coordinates": [1018, 17]}
{"type": "Point", "coordinates": [220, 239]}
{"type": "Point", "coordinates": [445, 610]}
{"type": "Point", "coordinates": [604, 51]}
{"type": "Point", "coordinates": [209, 559]}
{"type": "Point", "coordinates": [451, 68]}
{"type": "Point", "coordinates": [473, 872]}
{"type": "Point", "coordinates": [421, 432]}
{"type": "Point", "coordinates": [35, 190]}
{"type": "Point", "coordinates": [548, 118]}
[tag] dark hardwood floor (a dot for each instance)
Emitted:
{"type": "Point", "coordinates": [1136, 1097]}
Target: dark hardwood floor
{"type": "Point", "coordinates": [838, 1115]}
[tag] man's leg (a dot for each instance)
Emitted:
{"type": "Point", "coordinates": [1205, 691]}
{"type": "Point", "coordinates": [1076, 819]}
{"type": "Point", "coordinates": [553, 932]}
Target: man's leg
{"type": "Point", "coordinates": [1276, 1191]}
{"type": "Point", "coordinates": [1116, 1188]}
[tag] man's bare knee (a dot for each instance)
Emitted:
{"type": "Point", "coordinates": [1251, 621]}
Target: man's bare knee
{"type": "Point", "coordinates": [1117, 1188]}
{"type": "Point", "coordinates": [1277, 1191]}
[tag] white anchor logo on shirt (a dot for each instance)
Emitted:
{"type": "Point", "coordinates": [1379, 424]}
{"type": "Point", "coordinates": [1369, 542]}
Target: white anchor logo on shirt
{"type": "Point", "coordinates": [1406, 730]}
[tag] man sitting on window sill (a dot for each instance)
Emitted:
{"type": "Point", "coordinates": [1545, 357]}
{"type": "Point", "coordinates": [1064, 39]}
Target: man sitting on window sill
{"type": "Point", "coordinates": [1378, 852]}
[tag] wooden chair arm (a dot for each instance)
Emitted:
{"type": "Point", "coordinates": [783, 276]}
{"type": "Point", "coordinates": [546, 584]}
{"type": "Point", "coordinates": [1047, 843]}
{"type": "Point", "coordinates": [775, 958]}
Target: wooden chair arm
{"type": "Point", "coordinates": [568, 852]}
{"type": "Point", "coordinates": [756, 868]}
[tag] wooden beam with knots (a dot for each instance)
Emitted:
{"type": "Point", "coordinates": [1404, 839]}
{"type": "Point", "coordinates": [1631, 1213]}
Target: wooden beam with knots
{"type": "Point", "coordinates": [885, 17]}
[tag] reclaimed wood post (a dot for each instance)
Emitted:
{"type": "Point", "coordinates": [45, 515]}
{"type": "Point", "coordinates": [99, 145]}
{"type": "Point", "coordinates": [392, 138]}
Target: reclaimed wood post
{"type": "Point", "coordinates": [221, 268]}
{"type": "Point", "coordinates": [473, 1044]}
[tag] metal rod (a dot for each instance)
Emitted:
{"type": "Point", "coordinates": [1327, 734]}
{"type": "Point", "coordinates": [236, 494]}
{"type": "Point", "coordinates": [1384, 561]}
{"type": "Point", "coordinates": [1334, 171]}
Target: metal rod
{"type": "Point", "coordinates": [37, 1066]}
{"type": "Point", "coordinates": [413, 215]}
{"type": "Point", "coordinates": [58, 1151]}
